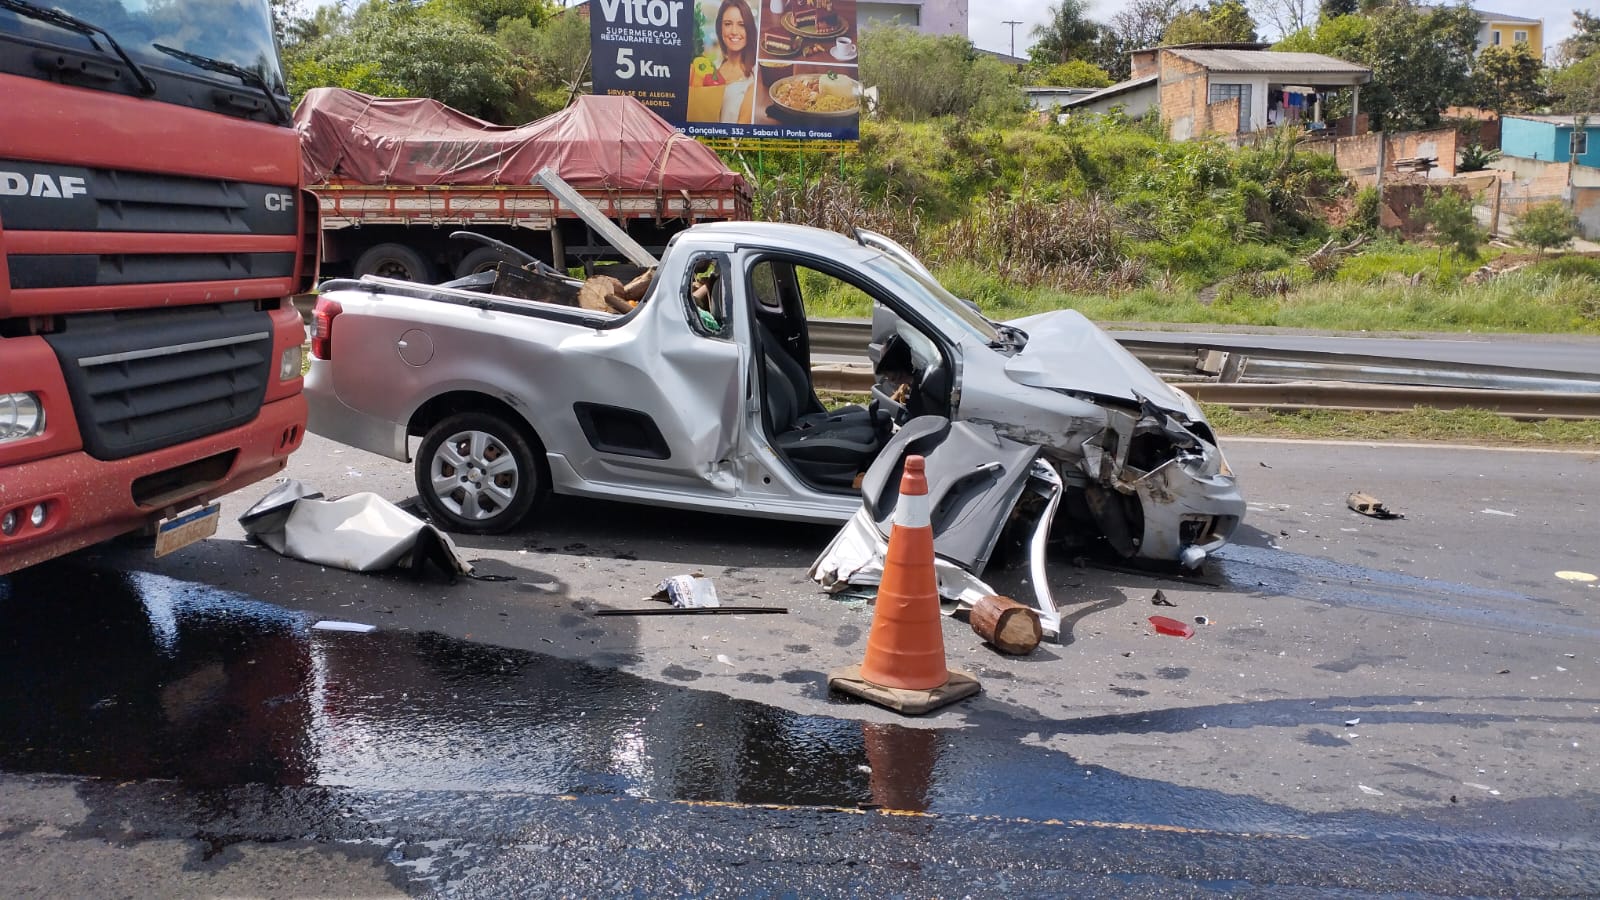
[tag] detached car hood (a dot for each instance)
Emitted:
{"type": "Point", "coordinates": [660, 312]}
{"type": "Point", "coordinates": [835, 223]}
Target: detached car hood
{"type": "Point", "coordinates": [1067, 352]}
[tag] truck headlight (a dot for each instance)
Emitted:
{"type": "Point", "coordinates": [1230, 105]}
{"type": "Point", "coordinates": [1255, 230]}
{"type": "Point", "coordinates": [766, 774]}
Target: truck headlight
{"type": "Point", "coordinates": [21, 416]}
{"type": "Point", "coordinates": [289, 365]}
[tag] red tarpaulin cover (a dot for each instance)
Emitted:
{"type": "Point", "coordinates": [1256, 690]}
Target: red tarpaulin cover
{"type": "Point", "coordinates": [606, 142]}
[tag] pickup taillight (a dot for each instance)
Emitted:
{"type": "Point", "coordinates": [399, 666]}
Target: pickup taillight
{"type": "Point", "coordinates": [322, 327]}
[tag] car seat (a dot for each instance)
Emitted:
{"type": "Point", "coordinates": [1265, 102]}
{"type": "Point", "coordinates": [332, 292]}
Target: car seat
{"type": "Point", "coordinates": [827, 449]}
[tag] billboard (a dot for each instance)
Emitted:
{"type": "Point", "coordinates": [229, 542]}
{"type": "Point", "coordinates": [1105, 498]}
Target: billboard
{"type": "Point", "coordinates": [724, 69]}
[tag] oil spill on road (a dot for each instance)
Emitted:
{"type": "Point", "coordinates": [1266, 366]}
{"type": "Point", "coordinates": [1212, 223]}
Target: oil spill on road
{"type": "Point", "coordinates": [134, 676]}
{"type": "Point", "coordinates": [139, 676]}
{"type": "Point", "coordinates": [1283, 573]}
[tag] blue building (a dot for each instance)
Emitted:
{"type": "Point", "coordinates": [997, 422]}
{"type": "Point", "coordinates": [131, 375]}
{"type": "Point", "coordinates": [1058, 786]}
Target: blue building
{"type": "Point", "coordinates": [1551, 139]}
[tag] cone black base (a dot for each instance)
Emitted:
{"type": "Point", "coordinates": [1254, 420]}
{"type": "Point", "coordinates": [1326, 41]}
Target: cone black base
{"type": "Point", "coordinates": [848, 680]}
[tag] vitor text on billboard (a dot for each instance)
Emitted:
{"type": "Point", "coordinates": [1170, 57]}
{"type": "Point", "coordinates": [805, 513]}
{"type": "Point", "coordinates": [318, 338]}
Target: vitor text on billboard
{"type": "Point", "coordinates": [783, 69]}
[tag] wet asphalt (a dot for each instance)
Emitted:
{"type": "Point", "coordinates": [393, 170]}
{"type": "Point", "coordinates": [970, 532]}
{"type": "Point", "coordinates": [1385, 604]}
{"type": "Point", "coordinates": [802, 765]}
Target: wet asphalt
{"type": "Point", "coordinates": [174, 711]}
{"type": "Point", "coordinates": [482, 770]}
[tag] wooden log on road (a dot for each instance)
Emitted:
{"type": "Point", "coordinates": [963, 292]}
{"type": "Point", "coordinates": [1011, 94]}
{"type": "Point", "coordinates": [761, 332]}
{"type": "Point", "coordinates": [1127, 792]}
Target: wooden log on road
{"type": "Point", "coordinates": [1008, 625]}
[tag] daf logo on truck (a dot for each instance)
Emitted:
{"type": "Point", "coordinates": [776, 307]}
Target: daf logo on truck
{"type": "Point", "coordinates": [280, 202]}
{"type": "Point", "coordinates": [16, 184]}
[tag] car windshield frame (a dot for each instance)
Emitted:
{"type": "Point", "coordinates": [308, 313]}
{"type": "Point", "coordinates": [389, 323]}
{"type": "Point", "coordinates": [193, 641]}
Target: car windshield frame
{"type": "Point", "coordinates": [239, 32]}
{"type": "Point", "coordinates": [928, 294]}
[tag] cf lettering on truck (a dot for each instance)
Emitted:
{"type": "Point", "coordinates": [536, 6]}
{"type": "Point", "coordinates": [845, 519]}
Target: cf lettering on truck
{"type": "Point", "coordinates": [153, 228]}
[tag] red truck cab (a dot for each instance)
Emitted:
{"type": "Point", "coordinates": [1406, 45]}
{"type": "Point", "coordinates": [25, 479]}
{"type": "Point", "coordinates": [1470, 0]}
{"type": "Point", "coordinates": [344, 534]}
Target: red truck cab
{"type": "Point", "coordinates": [153, 228]}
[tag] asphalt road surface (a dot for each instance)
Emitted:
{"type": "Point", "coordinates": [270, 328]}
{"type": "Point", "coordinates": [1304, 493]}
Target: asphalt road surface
{"type": "Point", "coordinates": [1406, 706]}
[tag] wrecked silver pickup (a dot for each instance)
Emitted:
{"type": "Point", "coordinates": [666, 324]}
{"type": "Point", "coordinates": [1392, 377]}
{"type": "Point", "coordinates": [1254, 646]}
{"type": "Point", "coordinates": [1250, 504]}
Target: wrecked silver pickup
{"type": "Point", "coordinates": [701, 396]}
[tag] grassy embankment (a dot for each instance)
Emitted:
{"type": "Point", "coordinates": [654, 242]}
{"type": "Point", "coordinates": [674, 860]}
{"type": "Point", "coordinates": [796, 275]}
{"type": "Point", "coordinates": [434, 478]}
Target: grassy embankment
{"type": "Point", "coordinates": [1113, 220]}
{"type": "Point", "coordinates": [1125, 226]}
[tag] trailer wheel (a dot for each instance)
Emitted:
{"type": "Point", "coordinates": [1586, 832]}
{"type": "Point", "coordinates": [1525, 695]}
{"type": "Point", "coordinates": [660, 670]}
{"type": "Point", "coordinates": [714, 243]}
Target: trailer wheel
{"type": "Point", "coordinates": [477, 473]}
{"type": "Point", "coordinates": [394, 261]}
{"type": "Point", "coordinates": [483, 259]}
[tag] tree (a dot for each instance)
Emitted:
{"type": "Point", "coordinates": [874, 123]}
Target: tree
{"type": "Point", "coordinates": [1585, 39]}
{"type": "Point", "coordinates": [395, 49]}
{"type": "Point", "coordinates": [548, 64]}
{"type": "Point", "coordinates": [1576, 88]}
{"type": "Point", "coordinates": [1222, 21]}
{"type": "Point", "coordinates": [1448, 216]}
{"type": "Point", "coordinates": [1137, 25]}
{"type": "Point", "coordinates": [921, 76]}
{"type": "Point", "coordinates": [1344, 37]}
{"type": "Point", "coordinates": [1075, 73]}
{"type": "Point", "coordinates": [488, 14]}
{"type": "Point", "coordinates": [1333, 9]}
{"type": "Point", "coordinates": [1421, 63]}
{"type": "Point", "coordinates": [1141, 23]}
{"type": "Point", "coordinates": [1509, 79]}
{"type": "Point", "coordinates": [1547, 225]}
{"type": "Point", "coordinates": [1069, 34]}
{"type": "Point", "coordinates": [1285, 16]}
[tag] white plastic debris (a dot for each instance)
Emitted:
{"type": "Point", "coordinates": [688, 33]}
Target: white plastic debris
{"type": "Point", "coordinates": [688, 592]}
{"type": "Point", "coordinates": [1374, 792]}
{"type": "Point", "coordinates": [335, 625]}
{"type": "Point", "coordinates": [1351, 723]}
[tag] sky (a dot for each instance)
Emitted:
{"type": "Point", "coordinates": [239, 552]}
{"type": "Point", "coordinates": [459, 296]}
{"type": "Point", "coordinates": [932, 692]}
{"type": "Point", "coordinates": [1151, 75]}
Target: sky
{"type": "Point", "coordinates": [986, 25]}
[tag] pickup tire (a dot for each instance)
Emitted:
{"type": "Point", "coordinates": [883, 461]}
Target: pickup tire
{"type": "Point", "coordinates": [477, 473]}
{"type": "Point", "coordinates": [394, 261]}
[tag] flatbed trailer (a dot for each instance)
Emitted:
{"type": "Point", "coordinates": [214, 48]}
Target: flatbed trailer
{"type": "Point", "coordinates": [394, 177]}
{"type": "Point", "coordinates": [367, 227]}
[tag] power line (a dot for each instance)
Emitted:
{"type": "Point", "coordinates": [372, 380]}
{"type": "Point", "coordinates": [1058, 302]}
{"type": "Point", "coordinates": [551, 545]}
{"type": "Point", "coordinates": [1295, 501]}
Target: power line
{"type": "Point", "coordinates": [1013, 23]}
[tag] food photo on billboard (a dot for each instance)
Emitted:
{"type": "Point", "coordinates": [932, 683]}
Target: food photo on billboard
{"type": "Point", "coordinates": [806, 61]}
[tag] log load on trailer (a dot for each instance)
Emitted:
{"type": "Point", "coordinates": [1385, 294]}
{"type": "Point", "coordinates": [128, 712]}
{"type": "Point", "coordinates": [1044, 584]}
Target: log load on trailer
{"type": "Point", "coordinates": [396, 176]}
{"type": "Point", "coordinates": [152, 231]}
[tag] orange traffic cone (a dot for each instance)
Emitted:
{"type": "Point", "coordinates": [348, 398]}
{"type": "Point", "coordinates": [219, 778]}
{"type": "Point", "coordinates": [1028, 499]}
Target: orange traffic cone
{"type": "Point", "coordinates": [904, 667]}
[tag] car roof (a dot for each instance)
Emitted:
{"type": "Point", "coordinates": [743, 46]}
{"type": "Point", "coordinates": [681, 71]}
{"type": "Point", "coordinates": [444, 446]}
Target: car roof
{"type": "Point", "coordinates": [784, 236]}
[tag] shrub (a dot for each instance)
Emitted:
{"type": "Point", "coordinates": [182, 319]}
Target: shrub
{"type": "Point", "coordinates": [1070, 245]}
{"type": "Point", "coordinates": [1568, 267]}
{"type": "Point", "coordinates": [1546, 225]}
{"type": "Point", "coordinates": [1448, 215]}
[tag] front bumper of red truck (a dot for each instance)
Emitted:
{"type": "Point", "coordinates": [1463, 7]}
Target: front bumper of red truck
{"type": "Point", "coordinates": [87, 500]}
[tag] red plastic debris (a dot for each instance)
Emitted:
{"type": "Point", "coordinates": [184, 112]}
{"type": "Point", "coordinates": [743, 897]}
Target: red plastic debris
{"type": "Point", "coordinates": [1168, 625]}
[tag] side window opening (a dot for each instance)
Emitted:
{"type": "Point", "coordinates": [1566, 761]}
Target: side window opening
{"type": "Point", "coordinates": [707, 296]}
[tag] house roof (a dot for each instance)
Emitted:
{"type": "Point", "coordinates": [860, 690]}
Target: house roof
{"type": "Point", "coordinates": [1488, 16]}
{"type": "Point", "coordinates": [1006, 58]}
{"type": "Point", "coordinates": [1485, 15]}
{"type": "Point", "coordinates": [1121, 87]}
{"type": "Point", "coordinates": [1206, 45]}
{"type": "Point", "coordinates": [1266, 61]}
{"type": "Point", "coordinates": [1568, 121]}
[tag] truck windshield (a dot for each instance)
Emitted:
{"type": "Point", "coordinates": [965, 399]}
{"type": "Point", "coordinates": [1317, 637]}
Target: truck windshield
{"type": "Point", "coordinates": [237, 32]}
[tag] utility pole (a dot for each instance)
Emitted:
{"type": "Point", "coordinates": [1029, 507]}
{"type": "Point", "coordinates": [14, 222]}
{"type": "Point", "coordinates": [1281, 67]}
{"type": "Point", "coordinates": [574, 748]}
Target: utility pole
{"type": "Point", "coordinates": [1013, 23]}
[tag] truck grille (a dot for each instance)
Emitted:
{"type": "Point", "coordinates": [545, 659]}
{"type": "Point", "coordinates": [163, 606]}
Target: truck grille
{"type": "Point", "coordinates": [146, 379]}
{"type": "Point", "coordinates": [111, 200]}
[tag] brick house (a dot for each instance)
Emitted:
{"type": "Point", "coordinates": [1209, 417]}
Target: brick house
{"type": "Point", "coordinates": [1228, 89]}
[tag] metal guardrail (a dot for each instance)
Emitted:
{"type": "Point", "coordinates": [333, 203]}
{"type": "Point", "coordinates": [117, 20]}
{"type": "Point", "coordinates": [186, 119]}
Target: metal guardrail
{"type": "Point", "coordinates": [1259, 377]}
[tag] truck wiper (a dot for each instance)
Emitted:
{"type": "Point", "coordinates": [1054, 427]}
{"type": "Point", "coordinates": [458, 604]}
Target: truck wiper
{"type": "Point", "coordinates": [72, 23]}
{"type": "Point", "coordinates": [248, 76]}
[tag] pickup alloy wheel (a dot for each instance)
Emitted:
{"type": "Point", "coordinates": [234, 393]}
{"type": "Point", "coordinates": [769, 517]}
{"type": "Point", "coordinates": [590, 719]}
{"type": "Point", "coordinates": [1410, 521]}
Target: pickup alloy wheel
{"type": "Point", "coordinates": [477, 474]}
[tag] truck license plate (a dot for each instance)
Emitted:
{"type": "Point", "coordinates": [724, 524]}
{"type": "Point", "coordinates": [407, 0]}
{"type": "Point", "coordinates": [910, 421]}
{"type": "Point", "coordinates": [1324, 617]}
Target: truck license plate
{"type": "Point", "coordinates": [178, 532]}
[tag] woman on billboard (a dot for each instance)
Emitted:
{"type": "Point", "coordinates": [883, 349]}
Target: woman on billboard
{"type": "Point", "coordinates": [721, 89]}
